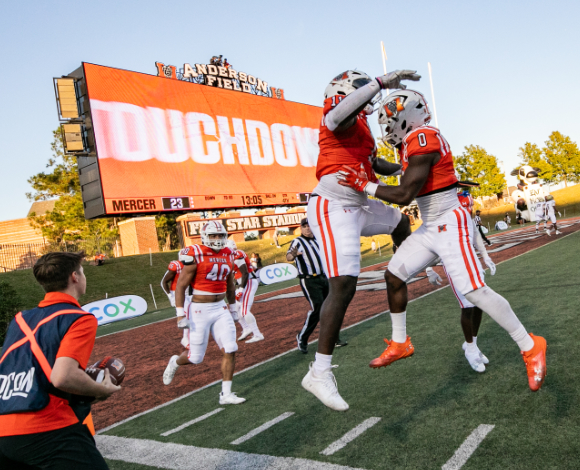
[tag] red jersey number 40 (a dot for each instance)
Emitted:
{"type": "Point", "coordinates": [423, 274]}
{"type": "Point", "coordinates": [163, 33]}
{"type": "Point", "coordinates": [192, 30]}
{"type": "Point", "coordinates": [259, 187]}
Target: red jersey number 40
{"type": "Point", "coordinates": [217, 273]}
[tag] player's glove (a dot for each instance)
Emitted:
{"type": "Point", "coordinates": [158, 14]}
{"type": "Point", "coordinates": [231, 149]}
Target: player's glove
{"type": "Point", "coordinates": [234, 311]}
{"type": "Point", "coordinates": [171, 300]}
{"type": "Point", "coordinates": [393, 80]}
{"type": "Point", "coordinates": [490, 264]}
{"type": "Point", "coordinates": [434, 278]}
{"type": "Point", "coordinates": [357, 180]}
{"type": "Point", "coordinates": [239, 293]}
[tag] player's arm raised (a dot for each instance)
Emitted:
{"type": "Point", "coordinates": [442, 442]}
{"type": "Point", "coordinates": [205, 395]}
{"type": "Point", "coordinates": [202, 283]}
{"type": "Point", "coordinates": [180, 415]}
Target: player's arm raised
{"type": "Point", "coordinates": [344, 114]}
{"type": "Point", "coordinates": [412, 181]}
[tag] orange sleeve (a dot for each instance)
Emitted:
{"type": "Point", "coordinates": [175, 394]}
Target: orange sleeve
{"type": "Point", "coordinates": [423, 142]}
{"type": "Point", "coordinates": [79, 340]}
{"type": "Point", "coordinates": [172, 266]}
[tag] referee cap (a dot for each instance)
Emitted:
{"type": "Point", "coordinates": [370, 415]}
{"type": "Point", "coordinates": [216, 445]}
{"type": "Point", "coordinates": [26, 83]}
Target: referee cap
{"type": "Point", "coordinates": [304, 222]}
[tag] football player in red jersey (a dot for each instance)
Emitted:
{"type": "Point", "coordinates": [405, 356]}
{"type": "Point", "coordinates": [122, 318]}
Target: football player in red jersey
{"type": "Point", "coordinates": [338, 216]}
{"type": "Point", "coordinates": [168, 284]}
{"type": "Point", "coordinates": [248, 287]}
{"type": "Point", "coordinates": [208, 269]}
{"type": "Point", "coordinates": [447, 231]}
{"type": "Point", "coordinates": [470, 314]}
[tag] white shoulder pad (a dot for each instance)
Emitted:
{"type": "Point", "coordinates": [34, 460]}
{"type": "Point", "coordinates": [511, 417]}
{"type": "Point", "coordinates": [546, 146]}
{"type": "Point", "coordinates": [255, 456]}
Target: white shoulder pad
{"type": "Point", "coordinates": [186, 257]}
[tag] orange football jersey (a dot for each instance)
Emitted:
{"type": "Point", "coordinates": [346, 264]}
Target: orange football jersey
{"type": "Point", "coordinates": [424, 140]}
{"type": "Point", "coordinates": [351, 147]}
{"type": "Point", "coordinates": [241, 255]}
{"type": "Point", "coordinates": [213, 268]}
{"type": "Point", "coordinates": [176, 267]}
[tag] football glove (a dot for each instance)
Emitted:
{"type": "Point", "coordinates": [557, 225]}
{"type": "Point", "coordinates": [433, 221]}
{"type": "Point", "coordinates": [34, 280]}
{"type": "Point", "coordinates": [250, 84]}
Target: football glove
{"type": "Point", "coordinates": [239, 293]}
{"type": "Point", "coordinates": [434, 278]}
{"type": "Point", "coordinates": [357, 180]}
{"type": "Point", "coordinates": [234, 311]}
{"type": "Point", "coordinates": [490, 264]}
{"type": "Point", "coordinates": [393, 80]}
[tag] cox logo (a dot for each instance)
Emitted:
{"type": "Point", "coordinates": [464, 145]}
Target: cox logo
{"type": "Point", "coordinates": [117, 308]}
{"type": "Point", "coordinates": [278, 273]}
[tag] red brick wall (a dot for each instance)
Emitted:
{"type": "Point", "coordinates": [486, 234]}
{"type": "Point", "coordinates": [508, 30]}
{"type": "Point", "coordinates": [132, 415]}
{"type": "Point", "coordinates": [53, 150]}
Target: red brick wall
{"type": "Point", "coordinates": [138, 235]}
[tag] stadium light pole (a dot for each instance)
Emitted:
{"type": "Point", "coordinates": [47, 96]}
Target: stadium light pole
{"type": "Point", "coordinates": [433, 95]}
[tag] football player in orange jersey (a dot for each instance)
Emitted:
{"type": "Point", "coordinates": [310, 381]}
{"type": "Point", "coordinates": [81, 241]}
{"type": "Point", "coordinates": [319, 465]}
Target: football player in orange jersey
{"type": "Point", "coordinates": [245, 296]}
{"type": "Point", "coordinates": [429, 176]}
{"type": "Point", "coordinates": [168, 284]}
{"type": "Point", "coordinates": [338, 216]}
{"type": "Point", "coordinates": [470, 314]}
{"type": "Point", "coordinates": [208, 269]}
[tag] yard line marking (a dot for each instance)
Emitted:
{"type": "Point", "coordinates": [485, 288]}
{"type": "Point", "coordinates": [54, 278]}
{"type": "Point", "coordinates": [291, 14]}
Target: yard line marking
{"type": "Point", "coordinates": [259, 429]}
{"type": "Point", "coordinates": [193, 421]}
{"type": "Point", "coordinates": [350, 436]}
{"type": "Point", "coordinates": [468, 447]}
{"type": "Point", "coordinates": [155, 408]}
{"type": "Point", "coordinates": [181, 457]}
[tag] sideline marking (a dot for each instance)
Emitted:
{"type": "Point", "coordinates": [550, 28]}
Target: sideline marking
{"type": "Point", "coordinates": [350, 436]}
{"type": "Point", "coordinates": [262, 428]}
{"type": "Point", "coordinates": [155, 408]}
{"type": "Point", "coordinates": [468, 447]}
{"type": "Point", "coordinates": [193, 421]}
{"type": "Point", "coordinates": [181, 457]}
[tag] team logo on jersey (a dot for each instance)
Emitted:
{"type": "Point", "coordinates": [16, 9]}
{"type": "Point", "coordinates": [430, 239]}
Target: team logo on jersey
{"type": "Point", "coordinates": [442, 228]}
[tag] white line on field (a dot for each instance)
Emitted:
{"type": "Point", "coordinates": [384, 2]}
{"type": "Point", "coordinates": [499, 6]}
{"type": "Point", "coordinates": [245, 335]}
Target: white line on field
{"type": "Point", "coordinates": [262, 428]}
{"type": "Point", "coordinates": [193, 421]}
{"type": "Point", "coordinates": [350, 436]}
{"type": "Point", "coordinates": [155, 408]}
{"type": "Point", "coordinates": [172, 456]}
{"type": "Point", "coordinates": [468, 447]}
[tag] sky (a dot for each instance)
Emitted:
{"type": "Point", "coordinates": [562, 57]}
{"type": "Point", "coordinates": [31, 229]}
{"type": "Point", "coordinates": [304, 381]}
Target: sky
{"type": "Point", "coordinates": [504, 73]}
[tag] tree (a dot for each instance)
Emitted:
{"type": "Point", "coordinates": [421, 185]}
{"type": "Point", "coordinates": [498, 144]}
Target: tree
{"type": "Point", "coordinates": [531, 154]}
{"type": "Point", "coordinates": [67, 220]}
{"type": "Point", "coordinates": [10, 304]}
{"type": "Point", "coordinates": [386, 152]}
{"type": "Point", "coordinates": [476, 165]}
{"type": "Point", "coordinates": [167, 231]}
{"type": "Point", "coordinates": [563, 156]}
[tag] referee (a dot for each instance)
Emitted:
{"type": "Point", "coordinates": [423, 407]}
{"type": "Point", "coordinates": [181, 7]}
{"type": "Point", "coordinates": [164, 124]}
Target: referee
{"type": "Point", "coordinates": [478, 223]}
{"type": "Point", "coordinates": [304, 250]}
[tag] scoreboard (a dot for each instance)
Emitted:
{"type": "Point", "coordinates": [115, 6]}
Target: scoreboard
{"type": "Point", "coordinates": [154, 144]}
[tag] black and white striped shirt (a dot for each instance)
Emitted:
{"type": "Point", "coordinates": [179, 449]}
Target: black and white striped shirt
{"type": "Point", "coordinates": [308, 261]}
{"type": "Point", "coordinates": [477, 220]}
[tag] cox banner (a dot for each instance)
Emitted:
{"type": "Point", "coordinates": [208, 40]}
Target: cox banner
{"type": "Point", "coordinates": [277, 273]}
{"type": "Point", "coordinates": [117, 308]}
{"type": "Point", "coordinates": [166, 144]}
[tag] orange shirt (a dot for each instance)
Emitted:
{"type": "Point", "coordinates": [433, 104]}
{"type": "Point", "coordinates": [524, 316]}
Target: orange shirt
{"type": "Point", "coordinates": [351, 147]}
{"type": "Point", "coordinates": [424, 140]}
{"type": "Point", "coordinates": [76, 344]}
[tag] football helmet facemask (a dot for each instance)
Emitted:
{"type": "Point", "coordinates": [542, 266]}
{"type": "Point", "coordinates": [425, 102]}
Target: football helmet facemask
{"type": "Point", "coordinates": [214, 228]}
{"type": "Point", "coordinates": [400, 113]}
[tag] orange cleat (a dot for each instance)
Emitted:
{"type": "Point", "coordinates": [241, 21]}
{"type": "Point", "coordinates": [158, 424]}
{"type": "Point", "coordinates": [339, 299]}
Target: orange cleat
{"type": "Point", "coordinates": [394, 352]}
{"type": "Point", "coordinates": [535, 360]}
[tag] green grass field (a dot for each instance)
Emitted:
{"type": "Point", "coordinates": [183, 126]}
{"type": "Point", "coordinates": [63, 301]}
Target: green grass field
{"type": "Point", "coordinates": [428, 404]}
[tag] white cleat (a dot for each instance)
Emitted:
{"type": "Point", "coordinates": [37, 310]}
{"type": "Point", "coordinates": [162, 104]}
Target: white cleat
{"type": "Point", "coordinates": [325, 389]}
{"type": "Point", "coordinates": [548, 232]}
{"type": "Point", "coordinates": [170, 371]}
{"type": "Point", "coordinates": [230, 399]}
{"type": "Point", "coordinates": [483, 357]}
{"type": "Point", "coordinates": [475, 361]}
{"type": "Point", "coordinates": [185, 342]}
{"type": "Point", "coordinates": [255, 338]}
{"type": "Point", "coordinates": [245, 334]}
{"type": "Point", "coordinates": [558, 232]}
{"type": "Point", "coordinates": [183, 324]}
